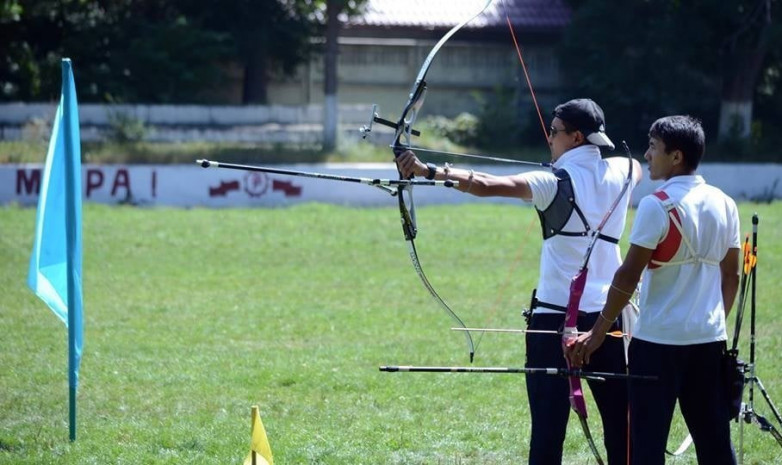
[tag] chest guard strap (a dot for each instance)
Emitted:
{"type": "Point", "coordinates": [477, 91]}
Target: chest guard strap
{"type": "Point", "coordinates": [671, 243]}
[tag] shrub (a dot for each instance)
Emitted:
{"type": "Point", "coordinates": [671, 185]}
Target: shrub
{"type": "Point", "coordinates": [125, 128]}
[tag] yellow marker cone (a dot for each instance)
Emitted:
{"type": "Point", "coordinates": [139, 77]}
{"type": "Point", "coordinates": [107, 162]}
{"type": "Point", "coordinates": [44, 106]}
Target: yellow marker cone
{"type": "Point", "coordinates": [260, 451]}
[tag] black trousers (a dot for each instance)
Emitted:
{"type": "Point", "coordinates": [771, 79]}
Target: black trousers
{"type": "Point", "coordinates": [690, 374]}
{"type": "Point", "coordinates": [549, 395]}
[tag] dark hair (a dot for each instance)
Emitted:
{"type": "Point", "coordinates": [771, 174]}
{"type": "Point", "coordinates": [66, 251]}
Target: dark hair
{"type": "Point", "coordinates": [684, 133]}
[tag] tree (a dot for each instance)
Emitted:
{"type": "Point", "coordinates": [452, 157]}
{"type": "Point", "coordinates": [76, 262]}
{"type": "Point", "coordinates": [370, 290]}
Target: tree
{"type": "Point", "coordinates": [335, 9]}
{"type": "Point", "coordinates": [743, 55]}
{"type": "Point", "coordinates": [330, 106]}
{"type": "Point", "coordinates": [641, 60]}
{"type": "Point", "coordinates": [768, 100]}
{"type": "Point", "coordinates": [150, 50]}
{"type": "Point", "coordinates": [266, 35]}
{"type": "Point", "coordinates": [143, 50]}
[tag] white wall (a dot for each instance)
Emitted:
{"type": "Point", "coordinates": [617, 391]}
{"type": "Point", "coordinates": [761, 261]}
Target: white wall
{"type": "Point", "coordinates": [171, 123]}
{"type": "Point", "coordinates": [193, 186]}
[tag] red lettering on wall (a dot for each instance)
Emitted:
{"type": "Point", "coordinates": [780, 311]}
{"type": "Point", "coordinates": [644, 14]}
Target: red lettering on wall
{"type": "Point", "coordinates": [224, 188]}
{"type": "Point", "coordinates": [28, 182]}
{"type": "Point", "coordinates": [94, 181]}
{"type": "Point", "coordinates": [121, 179]}
{"type": "Point", "coordinates": [287, 187]}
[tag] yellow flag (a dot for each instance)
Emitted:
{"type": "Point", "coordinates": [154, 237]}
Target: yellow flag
{"type": "Point", "coordinates": [260, 450]}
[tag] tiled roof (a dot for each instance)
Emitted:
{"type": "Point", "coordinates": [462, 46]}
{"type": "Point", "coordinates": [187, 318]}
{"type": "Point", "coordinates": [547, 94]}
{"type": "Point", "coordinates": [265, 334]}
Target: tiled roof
{"type": "Point", "coordinates": [446, 13]}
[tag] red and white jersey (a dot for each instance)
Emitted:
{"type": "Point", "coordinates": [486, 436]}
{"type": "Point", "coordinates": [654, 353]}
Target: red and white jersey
{"type": "Point", "coordinates": [690, 225]}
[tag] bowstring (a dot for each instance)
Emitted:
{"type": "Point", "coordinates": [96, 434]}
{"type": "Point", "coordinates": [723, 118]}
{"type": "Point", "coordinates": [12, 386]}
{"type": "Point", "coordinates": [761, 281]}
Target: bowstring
{"type": "Point", "coordinates": [585, 426]}
{"type": "Point", "coordinates": [526, 73]}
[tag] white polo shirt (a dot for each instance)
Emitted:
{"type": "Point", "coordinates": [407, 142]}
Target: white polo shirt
{"type": "Point", "coordinates": [682, 304]}
{"type": "Point", "coordinates": [596, 184]}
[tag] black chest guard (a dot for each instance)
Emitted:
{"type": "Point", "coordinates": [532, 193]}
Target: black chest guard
{"type": "Point", "coordinates": [554, 218]}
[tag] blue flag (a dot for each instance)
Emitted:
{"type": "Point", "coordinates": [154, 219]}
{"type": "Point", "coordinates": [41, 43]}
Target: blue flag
{"type": "Point", "coordinates": [55, 264]}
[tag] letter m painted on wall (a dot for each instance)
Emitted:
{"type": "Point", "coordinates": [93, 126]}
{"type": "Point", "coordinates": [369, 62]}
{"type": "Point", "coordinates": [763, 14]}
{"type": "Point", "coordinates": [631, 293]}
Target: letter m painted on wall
{"type": "Point", "coordinates": [28, 182]}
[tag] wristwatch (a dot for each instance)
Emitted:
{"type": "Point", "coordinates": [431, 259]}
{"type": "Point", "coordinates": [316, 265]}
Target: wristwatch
{"type": "Point", "coordinates": [432, 171]}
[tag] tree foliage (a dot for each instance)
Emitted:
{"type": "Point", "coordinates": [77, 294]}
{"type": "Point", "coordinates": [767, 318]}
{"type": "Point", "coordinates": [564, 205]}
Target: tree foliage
{"type": "Point", "coordinates": [642, 59]}
{"type": "Point", "coordinates": [768, 98]}
{"type": "Point", "coordinates": [148, 50]}
{"type": "Point", "coordinates": [265, 35]}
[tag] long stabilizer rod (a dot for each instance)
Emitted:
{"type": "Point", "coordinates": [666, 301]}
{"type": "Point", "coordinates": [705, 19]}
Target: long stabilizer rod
{"type": "Point", "coordinates": [590, 375]}
{"type": "Point", "coordinates": [332, 177]}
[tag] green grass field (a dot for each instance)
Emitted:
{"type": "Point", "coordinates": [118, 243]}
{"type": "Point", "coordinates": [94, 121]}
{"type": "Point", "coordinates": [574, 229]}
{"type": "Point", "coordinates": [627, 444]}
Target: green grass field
{"type": "Point", "coordinates": [193, 316]}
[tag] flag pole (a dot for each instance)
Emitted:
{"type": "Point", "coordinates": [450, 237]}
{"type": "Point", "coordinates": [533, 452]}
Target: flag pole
{"type": "Point", "coordinates": [254, 412]}
{"type": "Point", "coordinates": [260, 451]}
{"type": "Point", "coordinates": [55, 268]}
{"type": "Point", "coordinates": [71, 237]}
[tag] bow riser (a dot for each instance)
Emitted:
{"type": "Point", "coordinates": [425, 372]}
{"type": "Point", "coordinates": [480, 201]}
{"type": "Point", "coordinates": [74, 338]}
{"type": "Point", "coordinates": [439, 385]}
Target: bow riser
{"type": "Point", "coordinates": [404, 127]}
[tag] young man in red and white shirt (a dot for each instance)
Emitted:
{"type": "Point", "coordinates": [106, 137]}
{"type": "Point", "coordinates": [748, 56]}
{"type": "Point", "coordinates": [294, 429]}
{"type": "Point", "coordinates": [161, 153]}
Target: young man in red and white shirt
{"type": "Point", "coordinates": [685, 241]}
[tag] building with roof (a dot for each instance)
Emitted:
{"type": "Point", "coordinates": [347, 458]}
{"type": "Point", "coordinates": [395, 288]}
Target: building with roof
{"type": "Point", "coordinates": [382, 50]}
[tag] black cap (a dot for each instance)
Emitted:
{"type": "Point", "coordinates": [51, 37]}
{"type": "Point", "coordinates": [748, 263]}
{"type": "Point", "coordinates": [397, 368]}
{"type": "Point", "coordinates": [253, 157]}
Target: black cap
{"type": "Point", "coordinates": [586, 116]}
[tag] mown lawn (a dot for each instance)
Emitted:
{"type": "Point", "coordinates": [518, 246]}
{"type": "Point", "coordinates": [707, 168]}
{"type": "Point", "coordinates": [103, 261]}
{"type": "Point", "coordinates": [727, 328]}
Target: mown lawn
{"type": "Point", "coordinates": [193, 316]}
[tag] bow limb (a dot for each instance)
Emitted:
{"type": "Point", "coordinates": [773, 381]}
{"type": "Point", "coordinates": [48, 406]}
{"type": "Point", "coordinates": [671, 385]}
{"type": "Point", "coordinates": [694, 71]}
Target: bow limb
{"type": "Point", "coordinates": [404, 129]}
{"type": "Point", "coordinates": [419, 270]}
{"type": "Point", "coordinates": [418, 91]}
{"type": "Point", "coordinates": [590, 440]}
